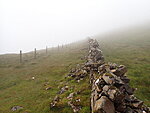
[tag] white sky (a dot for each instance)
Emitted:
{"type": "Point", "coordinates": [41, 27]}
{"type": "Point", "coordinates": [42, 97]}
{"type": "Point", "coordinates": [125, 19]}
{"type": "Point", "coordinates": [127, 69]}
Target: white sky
{"type": "Point", "coordinates": [26, 24]}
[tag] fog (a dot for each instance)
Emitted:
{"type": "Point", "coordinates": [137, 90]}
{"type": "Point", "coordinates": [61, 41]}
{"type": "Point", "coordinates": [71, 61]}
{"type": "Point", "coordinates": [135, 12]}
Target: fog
{"type": "Point", "coordinates": [29, 24]}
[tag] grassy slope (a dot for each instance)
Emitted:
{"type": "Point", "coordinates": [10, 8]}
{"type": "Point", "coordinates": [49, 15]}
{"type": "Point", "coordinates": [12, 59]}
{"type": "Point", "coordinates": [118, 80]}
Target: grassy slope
{"type": "Point", "coordinates": [131, 48]}
{"type": "Point", "coordinates": [17, 88]}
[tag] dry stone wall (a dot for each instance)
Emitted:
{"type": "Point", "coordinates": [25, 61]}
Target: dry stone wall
{"type": "Point", "coordinates": [110, 90]}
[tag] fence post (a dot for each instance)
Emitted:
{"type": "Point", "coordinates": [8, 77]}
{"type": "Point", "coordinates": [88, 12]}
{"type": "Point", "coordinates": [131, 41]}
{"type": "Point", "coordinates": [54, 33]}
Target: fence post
{"type": "Point", "coordinates": [46, 49]}
{"type": "Point", "coordinates": [58, 47]}
{"type": "Point", "coordinates": [20, 56]}
{"type": "Point", "coordinates": [35, 53]}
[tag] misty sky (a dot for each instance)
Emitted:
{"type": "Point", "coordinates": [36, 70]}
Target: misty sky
{"type": "Point", "coordinates": [26, 24]}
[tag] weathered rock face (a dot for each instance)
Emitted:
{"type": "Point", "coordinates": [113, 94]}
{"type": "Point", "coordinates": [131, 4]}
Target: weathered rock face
{"type": "Point", "coordinates": [111, 92]}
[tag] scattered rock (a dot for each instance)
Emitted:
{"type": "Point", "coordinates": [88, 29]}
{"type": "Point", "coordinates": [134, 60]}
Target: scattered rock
{"type": "Point", "coordinates": [14, 108]}
{"type": "Point", "coordinates": [55, 101]}
{"type": "Point", "coordinates": [48, 88]}
{"type": "Point", "coordinates": [70, 96]}
{"type": "Point", "coordinates": [33, 78]}
{"type": "Point", "coordinates": [75, 108]}
{"type": "Point", "coordinates": [63, 89]}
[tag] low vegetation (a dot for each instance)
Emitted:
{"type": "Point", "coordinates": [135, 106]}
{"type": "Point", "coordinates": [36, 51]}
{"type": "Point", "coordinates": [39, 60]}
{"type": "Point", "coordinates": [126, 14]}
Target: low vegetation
{"type": "Point", "coordinates": [25, 84]}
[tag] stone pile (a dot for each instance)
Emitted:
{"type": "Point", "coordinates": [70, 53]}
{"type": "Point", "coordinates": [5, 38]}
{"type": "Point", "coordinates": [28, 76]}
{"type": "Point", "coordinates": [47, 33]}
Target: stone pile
{"type": "Point", "coordinates": [111, 92]}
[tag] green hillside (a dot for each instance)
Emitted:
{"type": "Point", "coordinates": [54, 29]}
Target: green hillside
{"type": "Point", "coordinates": [17, 87]}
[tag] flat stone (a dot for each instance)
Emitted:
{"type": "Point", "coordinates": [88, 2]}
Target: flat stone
{"type": "Point", "coordinates": [106, 88]}
{"type": "Point", "coordinates": [120, 71]}
{"type": "Point", "coordinates": [112, 93]}
{"type": "Point", "coordinates": [104, 105]}
{"type": "Point", "coordinates": [137, 104]}
{"type": "Point", "coordinates": [108, 78]}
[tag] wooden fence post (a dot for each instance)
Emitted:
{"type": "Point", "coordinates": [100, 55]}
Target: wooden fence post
{"type": "Point", "coordinates": [20, 56]}
{"type": "Point", "coordinates": [46, 50]}
{"type": "Point", "coordinates": [35, 53]}
{"type": "Point", "coordinates": [58, 47]}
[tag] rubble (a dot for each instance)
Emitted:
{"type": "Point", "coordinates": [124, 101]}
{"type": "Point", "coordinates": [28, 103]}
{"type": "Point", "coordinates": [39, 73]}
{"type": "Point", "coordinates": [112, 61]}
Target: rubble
{"type": "Point", "coordinates": [75, 108]}
{"type": "Point", "coordinates": [55, 101]}
{"type": "Point", "coordinates": [63, 89]}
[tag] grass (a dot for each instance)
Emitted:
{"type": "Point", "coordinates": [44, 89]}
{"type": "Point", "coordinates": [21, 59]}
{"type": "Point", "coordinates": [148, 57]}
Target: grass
{"type": "Point", "coordinates": [130, 48]}
{"type": "Point", "coordinates": [18, 88]}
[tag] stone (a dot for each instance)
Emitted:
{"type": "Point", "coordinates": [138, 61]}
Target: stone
{"type": "Point", "coordinates": [112, 93]}
{"type": "Point", "coordinates": [55, 101]}
{"type": "Point", "coordinates": [33, 78]}
{"type": "Point", "coordinates": [120, 71]}
{"type": "Point", "coordinates": [129, 110]}
{"type": "Point", "coordinates": [78, 100]}
{"type": "Point", "coordinates": [56, 98]}
{"type": "Point", "coordinates": [15, 108]}
{"type": "Point", "coordinates": [125, 79]}
{"type": "Point", "coordinates": [75, 108]}
{"type": "Point", "coordinates": [129, 90]}
{"type": "Point", "coordinates": [104, 105]}
{"type": "Point", "coordinates": [70, 96]}
{"type": "Point", "coordinates": [63, 89]}
{"type": "Point", "coordinates": [48, 88]}
{"type": "Point", "coordinates": [108, 78]}
{"type": "Point", "coordinates": [106, 88]}
{"type": "Point", "coordinates": [121, 107]}
{"type": "Point", "coordinates": [137, 104]}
